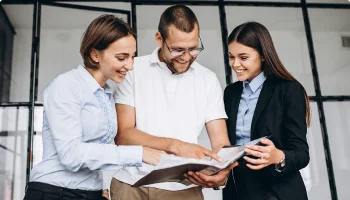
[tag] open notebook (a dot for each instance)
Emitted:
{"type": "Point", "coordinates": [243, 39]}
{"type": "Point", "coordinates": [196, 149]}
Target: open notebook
{"type": "Point", "coordinates": [171, 168]}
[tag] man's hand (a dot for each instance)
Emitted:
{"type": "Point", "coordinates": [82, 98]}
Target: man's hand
{"type": "Point", "coordinates": [189, 150]}
{"type": "Point", "coordinates": [213, 181]}
{"type": "Point", "coordinates": [105, 194]}
{"type": "Point", "coordinates": [151, 156]}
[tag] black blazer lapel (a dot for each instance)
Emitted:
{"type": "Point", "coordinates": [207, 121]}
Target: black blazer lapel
{"type": "Point", "coordinates": [264, 97]}
{"type": "Point", "coordinates": [236, 97]}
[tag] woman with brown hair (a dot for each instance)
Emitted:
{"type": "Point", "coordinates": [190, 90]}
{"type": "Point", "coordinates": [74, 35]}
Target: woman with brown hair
{"type": "Point", "coordinates": [80, 124]}
{"type": "Point", "coordinates": [266, 101]}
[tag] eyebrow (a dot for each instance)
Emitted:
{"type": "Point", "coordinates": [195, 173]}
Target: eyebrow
{"type": "Point", "coordinates": [176, 47]}
{"type": "Point", "coordinates": [124, 54]}
{"type": "Point", "coordinates": [241, 54]}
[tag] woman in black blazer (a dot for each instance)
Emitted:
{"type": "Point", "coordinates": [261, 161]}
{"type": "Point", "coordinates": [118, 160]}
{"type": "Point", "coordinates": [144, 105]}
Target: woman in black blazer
{"type": "Point", "coordinates": [266, 101]}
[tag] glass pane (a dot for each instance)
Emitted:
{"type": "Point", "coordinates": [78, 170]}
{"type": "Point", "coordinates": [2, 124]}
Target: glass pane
{"type": "Point", "coordinates": [337, 118]}
{"type": "Point", "coordinates": [329, 27]}
{"type": "Point", "coordinates": [211, 57]}
{"type": "Point", "coordinates": [329, 1]}
{"type": "Point", "coordinates": [13, 152]}
{"type": "Point", "coordinates": [60, 36]}
{"type": "Point", "coordinates": [17, 52]}
{"type": "Point", "coordinates": [286, 27]}
{"type": "Point", "coordinates": [37, 138]}
{"type": "Point", "coordinates": [315, 174]}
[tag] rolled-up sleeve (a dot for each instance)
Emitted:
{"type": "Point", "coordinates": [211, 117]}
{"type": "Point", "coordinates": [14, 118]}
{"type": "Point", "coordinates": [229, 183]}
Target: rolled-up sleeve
{"type": "Point", "coordinates": [63, 103]}
{"type": "Point", "coordinates": [215, 103]}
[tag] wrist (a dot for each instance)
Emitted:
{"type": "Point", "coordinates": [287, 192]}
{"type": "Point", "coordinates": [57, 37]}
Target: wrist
{"type": "Point", "coordinates": [173, 146]}
{"type": "Point", "coordinates": [280, 156]}
{"type": "Point", "coordinates": [222, 186]}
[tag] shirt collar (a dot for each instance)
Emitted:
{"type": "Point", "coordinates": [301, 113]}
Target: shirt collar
{"type": "Point", "coordinates": [154, 59]}
{"type": "Point", "coordinates": [256, 82]}
{"type": "Point", "coordinates": [91, 82]}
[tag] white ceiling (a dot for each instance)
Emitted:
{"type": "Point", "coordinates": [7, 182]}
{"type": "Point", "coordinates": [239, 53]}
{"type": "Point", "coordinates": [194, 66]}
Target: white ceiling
{"type": "Point", "coordinates": [275, 18]}
{"type": "Point", "coordinates": [21, 16]}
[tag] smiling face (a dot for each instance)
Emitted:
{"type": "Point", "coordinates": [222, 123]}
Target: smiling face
{"type": "Point", "coordinates": [115, 60]}
{"type": "Point", "coordinates": [178, 40]}
{"type": "Point", "coordinates": [245, 61]}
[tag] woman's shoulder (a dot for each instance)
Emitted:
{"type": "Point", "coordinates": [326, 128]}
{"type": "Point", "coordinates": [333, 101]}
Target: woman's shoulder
{"type": "Point", "coordinates": [287, 86]}
{"type": "Point", "coordinates": [285, 83]}
{"type": "Point", "coordinates": [234, 85]}
{"type": "Point", "coordinates": [232, 88]}
{"type": "Point", "coordinates": [65, 81]}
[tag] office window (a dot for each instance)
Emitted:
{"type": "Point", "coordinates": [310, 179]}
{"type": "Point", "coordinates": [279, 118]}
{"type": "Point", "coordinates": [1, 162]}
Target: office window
{"type": "Point", "coordinates": [18, 52]}
{"type": "Point", "coordinates": [337, 117]}
{"type": "Point", "coordinates": [329, 28]}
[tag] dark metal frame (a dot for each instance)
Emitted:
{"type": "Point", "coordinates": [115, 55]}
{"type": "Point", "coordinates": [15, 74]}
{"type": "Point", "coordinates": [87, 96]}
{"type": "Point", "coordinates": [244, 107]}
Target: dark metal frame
{"type": "Point", "coordinates": [32, 104]}
{"type": "Point", "coordinates": [34, 64]}
{"type": "Point", "coordinates": [303, 5]}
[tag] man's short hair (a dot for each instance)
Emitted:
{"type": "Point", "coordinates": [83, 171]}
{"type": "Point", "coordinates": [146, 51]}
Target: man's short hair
{"type": "Point", "coordinates": [182, 17]}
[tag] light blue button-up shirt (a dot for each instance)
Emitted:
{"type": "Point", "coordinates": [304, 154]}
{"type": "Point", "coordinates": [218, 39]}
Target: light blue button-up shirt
{"type": "Point", "coordinates": [247, 104]}
{"type": "Point", "coordinates": [79, 128]}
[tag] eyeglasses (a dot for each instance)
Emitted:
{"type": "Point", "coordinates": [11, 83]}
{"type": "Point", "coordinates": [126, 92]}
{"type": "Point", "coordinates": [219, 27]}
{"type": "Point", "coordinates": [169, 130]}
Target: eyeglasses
{"type": "Point", "coordinates": [181, 51]}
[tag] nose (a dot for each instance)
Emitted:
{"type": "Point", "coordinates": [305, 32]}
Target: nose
{"type": "Point", "coordinates": [236, 63]}
{"type": "Point", "coordinates": [129, 64]}
{"type": "Point", "coordinates": [186, 56]}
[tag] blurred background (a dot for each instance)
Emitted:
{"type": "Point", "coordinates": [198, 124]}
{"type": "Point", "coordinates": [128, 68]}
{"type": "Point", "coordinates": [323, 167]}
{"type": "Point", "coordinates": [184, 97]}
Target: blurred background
{"type": "Point", "coordinates": [40, 39]}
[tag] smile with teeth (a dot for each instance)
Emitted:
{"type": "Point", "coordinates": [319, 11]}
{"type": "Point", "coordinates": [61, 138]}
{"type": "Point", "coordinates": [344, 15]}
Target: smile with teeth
{"type": "Point", "coordinates": [122, 73]}
{"type": "Point", "coordinates": [239, 70]}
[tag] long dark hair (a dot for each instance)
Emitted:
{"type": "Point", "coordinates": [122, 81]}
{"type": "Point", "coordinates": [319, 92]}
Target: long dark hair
{"type": "Point", "coordinates": [256, 36]}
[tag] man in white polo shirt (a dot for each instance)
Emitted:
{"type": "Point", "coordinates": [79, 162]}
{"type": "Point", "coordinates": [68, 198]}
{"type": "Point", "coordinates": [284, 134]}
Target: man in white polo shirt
{"type": "Point", "coordinates": [164, 103]}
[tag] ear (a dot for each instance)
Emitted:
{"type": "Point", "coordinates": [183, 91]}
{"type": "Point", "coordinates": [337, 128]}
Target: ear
{"type": "Point", "coordinates": [159, 39]}
{"type": "Point", "coordinates": [95, 55]}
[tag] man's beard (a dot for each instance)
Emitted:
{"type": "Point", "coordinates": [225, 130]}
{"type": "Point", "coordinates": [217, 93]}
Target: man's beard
{"type": "Point", "coordinates": [172, 68]}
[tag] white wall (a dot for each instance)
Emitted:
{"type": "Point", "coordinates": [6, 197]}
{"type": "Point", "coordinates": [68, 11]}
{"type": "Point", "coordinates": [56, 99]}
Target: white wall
{"type": "Point", "coordinates": [20, 79]}
{"type": "Point", "coordinates": [333, 62]}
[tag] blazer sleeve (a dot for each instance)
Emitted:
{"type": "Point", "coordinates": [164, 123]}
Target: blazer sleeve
{"type": "Point", "coordinates": [296, 148]}
{"type": "Point", "coordinates": [227, 99]}
{"type": "Point", "coordinates": [227, 102]}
